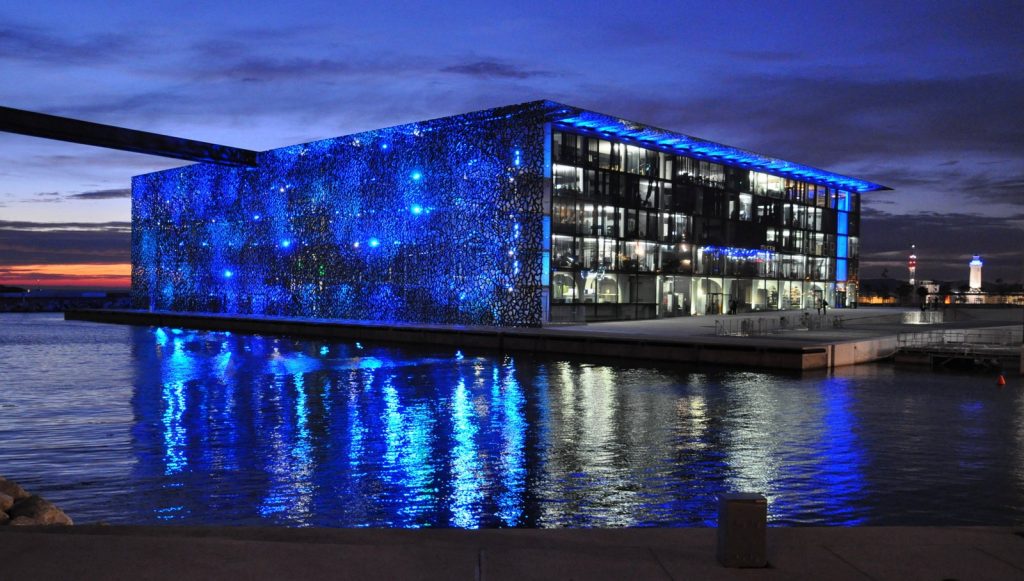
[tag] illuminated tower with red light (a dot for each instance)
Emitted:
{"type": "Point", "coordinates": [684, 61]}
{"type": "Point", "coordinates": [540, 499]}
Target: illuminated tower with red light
{"type": "Point", "coordinates": [912, 264]}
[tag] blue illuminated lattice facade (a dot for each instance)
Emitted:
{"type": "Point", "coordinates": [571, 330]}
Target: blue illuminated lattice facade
{"type": "Point", "coordinates": [439, 221]}
{"type": "Point", "coordinates": [508, 217]}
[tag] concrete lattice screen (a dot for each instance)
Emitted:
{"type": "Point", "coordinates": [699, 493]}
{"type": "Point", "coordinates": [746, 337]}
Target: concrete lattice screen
{"type": "Point", "coordinates": [439, 221]}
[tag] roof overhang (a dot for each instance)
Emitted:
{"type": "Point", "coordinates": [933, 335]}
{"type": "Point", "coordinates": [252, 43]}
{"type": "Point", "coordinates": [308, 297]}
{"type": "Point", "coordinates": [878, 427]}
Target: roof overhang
{"type": "Point", "coordinates": [591, 123]}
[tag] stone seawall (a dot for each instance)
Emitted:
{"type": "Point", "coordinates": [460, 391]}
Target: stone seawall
{"type": "Point", "coordinates": [19, 508]}
{"type": "Point", "coordinates": [733, 351]}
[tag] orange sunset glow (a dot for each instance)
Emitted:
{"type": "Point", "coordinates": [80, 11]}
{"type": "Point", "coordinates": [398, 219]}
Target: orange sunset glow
{"type": "Point", "coordinates": [79, 275]}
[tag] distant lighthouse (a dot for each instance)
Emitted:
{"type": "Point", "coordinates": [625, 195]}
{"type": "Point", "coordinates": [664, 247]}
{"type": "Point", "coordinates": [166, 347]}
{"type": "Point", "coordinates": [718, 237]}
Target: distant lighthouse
{"type": "Point", "coordinates": [912, 264]}
{"type": "Point", "coordinates": [976, 264]}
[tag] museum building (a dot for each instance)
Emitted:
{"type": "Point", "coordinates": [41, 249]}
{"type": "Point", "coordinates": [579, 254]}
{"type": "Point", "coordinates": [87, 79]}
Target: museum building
{"type": "Point", "coordinates": [514, 216]}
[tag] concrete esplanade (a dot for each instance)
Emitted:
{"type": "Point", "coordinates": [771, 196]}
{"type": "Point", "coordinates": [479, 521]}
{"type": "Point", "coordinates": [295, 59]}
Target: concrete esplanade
{"type": "Point", "coordinates": [791, 340]}
{"type": "Point", "coordinates": [833, 553]}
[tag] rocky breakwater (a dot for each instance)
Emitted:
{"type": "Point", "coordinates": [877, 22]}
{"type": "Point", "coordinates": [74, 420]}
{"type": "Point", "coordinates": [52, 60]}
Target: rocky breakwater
{"type": "Point", "coordinates": [19, 508]}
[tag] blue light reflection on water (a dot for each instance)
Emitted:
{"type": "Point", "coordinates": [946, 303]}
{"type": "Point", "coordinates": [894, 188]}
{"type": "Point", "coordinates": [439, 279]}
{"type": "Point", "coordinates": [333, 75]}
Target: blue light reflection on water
{"type": "Point", "coordinates": [446, 445]}
{"type": "Point", "coordinates": [842, 468]}
{"type": "Point", "coordinates": [235, 429]}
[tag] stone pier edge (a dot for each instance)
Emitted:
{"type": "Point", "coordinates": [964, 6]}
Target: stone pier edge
{"type": "Point", "coordinates": [765, 353]}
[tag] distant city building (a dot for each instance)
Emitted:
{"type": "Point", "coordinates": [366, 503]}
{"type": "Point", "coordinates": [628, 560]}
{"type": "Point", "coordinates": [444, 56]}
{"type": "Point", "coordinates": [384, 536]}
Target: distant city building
{"type": "Point", "coordinates": [513, 216]}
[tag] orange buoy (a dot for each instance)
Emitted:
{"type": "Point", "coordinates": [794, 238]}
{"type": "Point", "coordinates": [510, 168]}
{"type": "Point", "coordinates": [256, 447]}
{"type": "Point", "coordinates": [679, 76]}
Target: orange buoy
{"type": "Point", "coordinates": [1001, 381]}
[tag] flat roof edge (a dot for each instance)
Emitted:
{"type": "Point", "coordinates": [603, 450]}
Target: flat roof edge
{"type": "Point", "coordinates": [592, 122]}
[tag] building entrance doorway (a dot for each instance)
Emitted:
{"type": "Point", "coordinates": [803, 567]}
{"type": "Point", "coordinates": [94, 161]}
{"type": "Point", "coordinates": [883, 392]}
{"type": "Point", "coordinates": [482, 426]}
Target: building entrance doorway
{"type": "Point", "coordinates": [714, 304]}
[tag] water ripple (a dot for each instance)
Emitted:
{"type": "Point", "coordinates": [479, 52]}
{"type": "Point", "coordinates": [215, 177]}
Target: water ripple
{"type": "Point", "coordinates": [159, 425]}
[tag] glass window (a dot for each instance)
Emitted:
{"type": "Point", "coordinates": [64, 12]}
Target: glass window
{"type": "Point", "coordinates": [676, 258]}
{"type": "Point", "coordinates": [765, 210]}
{"type": "Point", "coordinates": [675, 228]}
{"type": "Point", "coordinates": [843, 201]}
{"type": "Point", "coordinates": [601, 288]}
{"type": "Point", "coordinates": [759, 183]}
{"type": "Point", "coordinates": [648, 222]}
{"type": "Point", "coordinates": [665, 166]}
{"type": "Point", "coordinates": [568, 180]}
{"type": "Point", "coordinates": [714, 174]}
{"type": "Point", "coordinates": [586, 250]}
{"type": "Point", "coordinates": [746, 207]}
{"type": "Point", "coordinates": [639, 256]}
{"type": "Point", "coordinates": [820, 268]}
{"type": "Point", "coordinates": [604, 155]}
{"type": "Point", "coordinates": [610, 222]}
{"type": "Point", "coordinates": [768, 265]}
{"type": "Point", "coordinates": [666, 201]}
{"type": "Point", "coordinates": [633, 157]}
{"type": "Point", "coordinates": [563, 250]}
{"type": "Point", "coordinates": [615, 160]}
{"type": "Point", "coordinates": [563, 216]}
{"type": "Point", "coordinates": [629, 223]}
{"type": "Point", "coordinates": [597, 253]}
{"type": "Point", "coordinates": [588, 223]}
{"type": "Point", "coordinates": [562, 288]}
{"type": "Point", "coordinates": [606, 288]}
{"type": "Point", "coordinates": [814, 219]}
{"type": "Point", "coordinates": [592, 154]}
{"type": "Point", "coordinates": [792, 266]}
{"type": "Point", "coordinates": [818, 244]}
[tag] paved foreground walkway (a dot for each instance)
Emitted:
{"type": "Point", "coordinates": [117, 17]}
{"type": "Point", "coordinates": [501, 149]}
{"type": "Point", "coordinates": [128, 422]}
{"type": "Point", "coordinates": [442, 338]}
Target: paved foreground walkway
{"type": "Point", "coordinates": [97, 552]}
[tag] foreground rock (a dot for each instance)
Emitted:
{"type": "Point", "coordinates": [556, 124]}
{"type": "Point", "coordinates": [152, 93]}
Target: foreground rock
{"type": "Point", "coordinates": [19, 508]}
{"type": "Point", "coordinates": [12, 489]}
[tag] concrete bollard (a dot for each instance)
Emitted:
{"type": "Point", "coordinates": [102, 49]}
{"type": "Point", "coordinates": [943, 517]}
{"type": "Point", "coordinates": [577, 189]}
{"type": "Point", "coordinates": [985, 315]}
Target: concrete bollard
{"type": "Point", "coordinates": [742, 530]}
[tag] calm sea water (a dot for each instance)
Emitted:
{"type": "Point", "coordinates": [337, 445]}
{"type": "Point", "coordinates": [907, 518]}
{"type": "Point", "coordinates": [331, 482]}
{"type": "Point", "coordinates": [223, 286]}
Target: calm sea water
{"type": "Point", "coordinates": [140, 425]}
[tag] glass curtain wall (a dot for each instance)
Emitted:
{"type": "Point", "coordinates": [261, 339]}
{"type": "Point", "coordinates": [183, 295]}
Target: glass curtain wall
{"type": "Point", "coordinates": [638, 233]}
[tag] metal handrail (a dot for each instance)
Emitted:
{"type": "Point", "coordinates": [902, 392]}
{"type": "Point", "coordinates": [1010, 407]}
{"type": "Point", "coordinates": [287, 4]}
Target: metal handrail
{"type": "Point", "coordinates": [760, 326]}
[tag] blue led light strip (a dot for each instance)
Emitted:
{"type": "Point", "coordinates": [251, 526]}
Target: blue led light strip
{"type": "Point", "coordinates": [591, 123]}
{"type": "Point", "coordinates": [744, 253]}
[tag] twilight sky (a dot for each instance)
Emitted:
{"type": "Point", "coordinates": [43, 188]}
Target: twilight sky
{"type": "Point", "coordinates": [924, 97]}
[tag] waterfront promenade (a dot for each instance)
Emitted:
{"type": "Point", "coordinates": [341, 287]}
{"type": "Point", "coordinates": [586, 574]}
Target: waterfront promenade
{"type": "Point", "coordinates": [862, 336]}
{"type": "Point", "coordinates": [835, 553]}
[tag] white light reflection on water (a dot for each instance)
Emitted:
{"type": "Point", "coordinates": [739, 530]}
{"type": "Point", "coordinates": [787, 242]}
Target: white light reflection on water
{"type": "Point", "coordinates": [466, 486]}
{"type": "Point", "coordinates": [510, 420]}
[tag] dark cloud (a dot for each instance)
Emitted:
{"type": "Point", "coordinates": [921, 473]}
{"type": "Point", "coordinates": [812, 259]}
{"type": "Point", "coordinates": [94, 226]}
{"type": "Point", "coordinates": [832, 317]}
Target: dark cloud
{"type": "Point", "coordinates": [827, 120]}
{"type": "Point", "coordinates": [102, 194]}
{"type": "Point", "coordinates": [1000, 189]}
{"type": "Point", "coordinates": [266, 69]}
{"type": "Point", "coordinates": [962, 182]}
{"type": "Point", "coordinates": [27, 43]}
{"type": "Point", "coordinates": [49, 226]}
{"type": "Point", "coordinates": [488, 69]}
{"type": "Point", "coordinates": [44, 198]}
{"type": "Point", "coordinates": [764, 56]}
{"type": "Point", "coordinates": [64, 243]}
